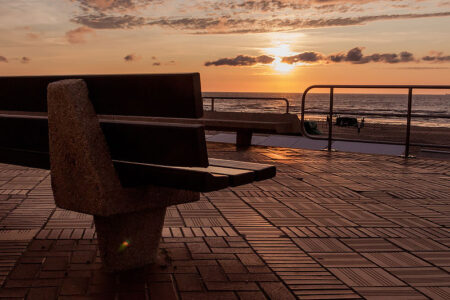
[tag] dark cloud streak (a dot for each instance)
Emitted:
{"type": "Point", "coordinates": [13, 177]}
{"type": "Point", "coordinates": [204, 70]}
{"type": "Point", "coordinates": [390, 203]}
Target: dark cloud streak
{"type": "Point", "coordinates": [25, 60]}
{"type": "Point", "coordinates": [303, 57]}
{"type": "Point", "coordinates": [102, 21]}
{"type": "Point", "coordinates": [437, 58]}
{"type": "Point", "coordinates": [131, 57]}
{"type": "Point", "coordinates": [241, 60]}
{"type": "Point", "coordinates": [353, 56]}
{"type": "Point", "coordinates": [227, 25]}
{"type": "Point", "coordinates": [112, 5]}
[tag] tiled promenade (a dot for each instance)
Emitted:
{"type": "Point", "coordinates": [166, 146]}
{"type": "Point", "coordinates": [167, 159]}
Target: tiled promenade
{"type": "Point", "coordinates": [329, 226]}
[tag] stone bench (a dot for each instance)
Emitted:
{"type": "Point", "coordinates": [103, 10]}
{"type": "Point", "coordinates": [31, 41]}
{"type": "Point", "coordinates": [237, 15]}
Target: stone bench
{"type": "Point", "coordinates": [123, 172]}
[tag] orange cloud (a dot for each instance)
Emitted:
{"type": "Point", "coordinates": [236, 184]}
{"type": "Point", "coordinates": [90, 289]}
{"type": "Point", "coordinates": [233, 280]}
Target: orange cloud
{"type": "Point", "coordinates": [78, 35]}
{"type": "Point", "coordinates": [32, 36]}
{"type": "Point", "coordinates": [25, 60]}
{"type": "Point", "coordinates": [131, 57]}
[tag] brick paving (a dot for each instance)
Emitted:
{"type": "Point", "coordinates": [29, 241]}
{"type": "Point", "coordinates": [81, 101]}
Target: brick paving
{"type": "Point", "coordinates": [328, 226]}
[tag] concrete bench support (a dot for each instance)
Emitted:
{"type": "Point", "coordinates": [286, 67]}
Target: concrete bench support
{"type": "Point", "coordinates": [128, 220]}
{"type": "Point", "coordinates": [129, 240]}
{"type": "Point", "coordinates": [244, 138]}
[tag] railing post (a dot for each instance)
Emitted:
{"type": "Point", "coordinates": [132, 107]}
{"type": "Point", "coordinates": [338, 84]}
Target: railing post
{"type": "Point", "coordinates": [330, 120]}
{"type": "Point", "coordinates": [212, 104]}
{"type": "Point", "coordinates": [408, 123]}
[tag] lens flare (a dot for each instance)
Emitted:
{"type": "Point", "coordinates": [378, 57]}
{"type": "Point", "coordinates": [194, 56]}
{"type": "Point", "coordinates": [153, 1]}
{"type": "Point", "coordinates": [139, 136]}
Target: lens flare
{"type": "Point", "coordinates": [125, 244]}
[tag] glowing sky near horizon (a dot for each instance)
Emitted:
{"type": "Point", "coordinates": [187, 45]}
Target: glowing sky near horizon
{"type": "Point", "coordinates": [236, 45]}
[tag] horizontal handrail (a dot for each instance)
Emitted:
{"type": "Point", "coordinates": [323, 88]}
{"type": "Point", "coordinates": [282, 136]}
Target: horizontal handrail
{"type": "Point", "coordinates": [377, 86]}
{"type": "Point", "coordinates": [352, 113]}
{"type": "Point", "coordinates": [248, 98]}
{"type": "Point", "coordinates": [408, 115]}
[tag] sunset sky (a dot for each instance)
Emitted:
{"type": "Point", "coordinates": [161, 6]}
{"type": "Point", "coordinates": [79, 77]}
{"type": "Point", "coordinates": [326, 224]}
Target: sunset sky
{"type": "Point", "coordinates": [236, 45]}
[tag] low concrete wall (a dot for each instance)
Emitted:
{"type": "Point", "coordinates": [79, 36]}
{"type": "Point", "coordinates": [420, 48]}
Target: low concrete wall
{"type": "Point", "coordinates": [231, 121]}
{"type": "Point", "coordinates": [292, 119]}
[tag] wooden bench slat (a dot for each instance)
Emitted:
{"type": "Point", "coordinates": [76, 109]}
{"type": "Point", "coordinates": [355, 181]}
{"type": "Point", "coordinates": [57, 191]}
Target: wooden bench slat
{"type": "Point", "coordinates": [168, 144]}
{"type": "Point", "coordinates": [218, 124]}
{"type": "Point", "coordinates": [132, 141]}
{"type": "Point", "coordinates": [200, 180]}
{"type": "Point", "coordinates": [262, 171]}
{"type": "Point", "coordinates": [237, 176]}
{"type": "Point", "coordinates": [164, 95]}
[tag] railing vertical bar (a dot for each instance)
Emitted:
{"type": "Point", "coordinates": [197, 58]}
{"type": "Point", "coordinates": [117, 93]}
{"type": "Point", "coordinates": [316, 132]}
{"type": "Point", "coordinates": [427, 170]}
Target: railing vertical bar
{"type": "Point", "coordinates": [302, 120]}
{"type": "Point", "coordinates": [408, 122]}
{"type": "Point", "coordinates": [330, 120]}
{"type": "Point", "coordinates": [212, 104]}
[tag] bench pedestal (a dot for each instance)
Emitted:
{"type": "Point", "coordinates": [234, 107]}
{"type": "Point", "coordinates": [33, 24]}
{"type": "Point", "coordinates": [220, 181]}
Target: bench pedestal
{"type": "Point", "coordinates": [244, 138]}
{"type": "Point", "coordinates": [129, 240]}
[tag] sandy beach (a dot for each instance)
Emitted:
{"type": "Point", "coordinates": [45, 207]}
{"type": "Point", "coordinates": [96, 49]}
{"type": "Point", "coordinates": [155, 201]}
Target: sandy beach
{"type": "Point", "coordinates": [392, 133]}
{"type": "Point", "coordinates": [395, 133]}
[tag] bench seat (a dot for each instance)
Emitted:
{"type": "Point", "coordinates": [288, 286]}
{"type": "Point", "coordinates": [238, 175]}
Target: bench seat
{"type": "Point", "coordinates": [212, 178]}
{"type": "Point", "coordinates": [219, 174]}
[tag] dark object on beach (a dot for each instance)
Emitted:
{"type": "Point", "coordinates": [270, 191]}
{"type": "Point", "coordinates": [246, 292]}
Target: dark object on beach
{"type": "Point", "coordinates": [347, 121]}
{"type": "Point", "coordinates": [311, 128]}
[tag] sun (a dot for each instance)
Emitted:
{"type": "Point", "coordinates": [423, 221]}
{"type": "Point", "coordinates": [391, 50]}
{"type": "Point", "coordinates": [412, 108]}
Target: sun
{"type": "Point", "coordinates": [278, 52]}
{"type": "Point", "coordinates": [281, 67]}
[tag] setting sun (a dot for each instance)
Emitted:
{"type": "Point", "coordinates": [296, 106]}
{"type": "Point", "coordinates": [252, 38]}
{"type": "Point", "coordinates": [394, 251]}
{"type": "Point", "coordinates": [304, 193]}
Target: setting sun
{"type": "Point", "coordinates": [281, 67]}
{"type": "Point", "coordinates": [278, 52]}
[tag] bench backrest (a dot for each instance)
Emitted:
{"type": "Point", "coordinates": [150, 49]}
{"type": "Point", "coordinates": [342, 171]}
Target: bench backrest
{"type": "Point", "coordinates": [159, 95]}
{"type": "Point", "coordinates": [24, 135]}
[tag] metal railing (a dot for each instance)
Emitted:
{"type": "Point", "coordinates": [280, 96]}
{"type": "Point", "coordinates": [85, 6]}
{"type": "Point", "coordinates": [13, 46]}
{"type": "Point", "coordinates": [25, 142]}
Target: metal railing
{"type": "Point", "coordinates": [249, 98]}
{"type": "Point", "coordinates": [408, 115]}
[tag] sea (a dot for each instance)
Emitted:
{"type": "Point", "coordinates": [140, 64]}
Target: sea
{"type": "Point", "coordinates": [427, 110]}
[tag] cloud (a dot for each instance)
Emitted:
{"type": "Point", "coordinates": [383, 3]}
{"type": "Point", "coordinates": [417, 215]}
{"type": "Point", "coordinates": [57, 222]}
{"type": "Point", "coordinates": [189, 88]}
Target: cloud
{"type": "Point", "coordinates": [78, 35]}
{"type": "Point", "coordinates": [112, 5]}
{"type": "Point", "coordinates": [131, 57]}
{"type": "Point", "coordinates": [224, 24]}
{"type": "Point", "coordinates": [248, 25]}
{"type": "Point", "coordinates": [278, 5]}
{"type": "Point", "coordinates": [356, 56]}
{"type": "Point", "coordinates": [32, 36]}
{"type": "Point", "coordinates": [102, 21]}
{"type": "Point", "coordinates": [241, 60]}
{"type": "Point", "coordinates": [353, 56]}
{"type": "Point", "coordinates": [436, 57]}
{"type": "Point", "coordinates": [424, 68]}
{"type": "Point", "coordinates": [266, 5]}
{"type": "Point", "coordinates": [105, 4]}
{"type": "Point", "coordinates": [303, 57]}
{"type": "Point", "coordinates": [25, 60]}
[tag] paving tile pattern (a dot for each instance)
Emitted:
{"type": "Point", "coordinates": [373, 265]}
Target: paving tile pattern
{"type": "Point", "coordinates": [328, 226]}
